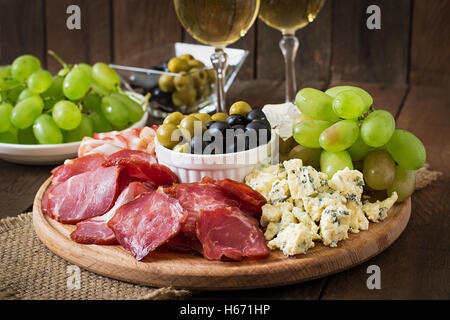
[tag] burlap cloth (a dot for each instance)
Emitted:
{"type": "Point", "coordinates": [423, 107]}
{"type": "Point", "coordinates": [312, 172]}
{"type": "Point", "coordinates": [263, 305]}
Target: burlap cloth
{"type": "Point", "coordinates": [28, 270]}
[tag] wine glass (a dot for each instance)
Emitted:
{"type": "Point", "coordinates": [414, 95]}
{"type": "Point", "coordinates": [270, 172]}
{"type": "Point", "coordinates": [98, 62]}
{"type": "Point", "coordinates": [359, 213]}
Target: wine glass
{"type": "Point", "coordinates": [288, 16]}
{"type": "Point", "coordinates": [217, 23]}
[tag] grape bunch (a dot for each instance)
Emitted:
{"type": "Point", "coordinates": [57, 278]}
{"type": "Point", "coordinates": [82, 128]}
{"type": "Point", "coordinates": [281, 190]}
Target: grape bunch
{"type": "Point", "coordinates": [340, 128]}
{"type": "Point", "coordinates": [38, 108]}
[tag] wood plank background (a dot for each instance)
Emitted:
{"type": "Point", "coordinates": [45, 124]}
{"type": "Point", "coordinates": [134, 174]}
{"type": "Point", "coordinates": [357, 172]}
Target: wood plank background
{"type": "Point", "coordinates": [411, 46]}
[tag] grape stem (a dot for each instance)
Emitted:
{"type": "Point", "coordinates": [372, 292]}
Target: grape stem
{"type": "Point", "coordinates": [58, 58]}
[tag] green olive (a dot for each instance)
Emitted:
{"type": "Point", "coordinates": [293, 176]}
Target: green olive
{"type": "Point", "coordinates": [240, 107]}
{"type": "Point", "coordinates": [189, 124]}
{"type": "Point", "coordinates": [211, 75]}
{"type": "Point", "coordinates": [177, 65]}
{"type": "Point", "coordinates": [204, 117]}
{"type": "Point", "coordinates": [182, 147]}
{"type": "Point", "coordinates": [164, 135]}
{"type": "Point", "coordinates": [196, 64]}
{"type": "Point", "coordinates": [186, 57]}
{"type": "Point", "coordinates": [182, 83]}
{"type": "Point", "coordinates": [200, 78]}
{"type": "Point", "coordinates": [285, 146]}
{"type": "Point", "coordinates": [204, 91]}
{"type": "Point", "coordinates": [174, 118]}
{"type": "Point", "coordinates": [219, 116]}
{"type": "Point", "coordinates": [183, 98]}
{"type": "Point", "coordinates": [165, 83]}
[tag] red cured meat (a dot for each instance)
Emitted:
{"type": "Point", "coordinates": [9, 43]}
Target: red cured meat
{"type": "Point", "coordinates": [96, 230]}
{"type": "Point", "coordinates": [251, 200]}
{"type": "Point", "coordinates": [197, 196]}
{"type": "Point", "coordinates": [228, 233]}
{"type": "Point", "coordinates": [144, 224]}
{"type": "Point", "coordinates": [95, 146]}
{"type": "Point", "coordinates": [77, 166]}
{"type": "Point", "coordinates": [182, 243]}
{"type": "Point", "coordinates": [86, 195]}
{"type": "Point", "coordinates": [143, 167]}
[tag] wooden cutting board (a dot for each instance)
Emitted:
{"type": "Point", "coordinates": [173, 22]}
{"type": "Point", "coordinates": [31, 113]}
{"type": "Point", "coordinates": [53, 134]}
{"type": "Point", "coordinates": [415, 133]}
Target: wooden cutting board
{"type": "Point", "coordinates": [190, 271]}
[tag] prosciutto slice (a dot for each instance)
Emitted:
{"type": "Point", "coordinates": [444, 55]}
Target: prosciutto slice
{"type": "Point", "coordinates": [144, 224]}
{"type": "Point", "coordinates": [251, 200]}
{"type": "Point", "coordinates": [142, 166]}
{"type": "Point", "coordinates": [225, 232]}
{"type": "Point", "coordinates": [76, 166]}
{"type": "Point", "coordinates": [198, 196]}
{"type": "Point", "coordinates": [96, 230]}
{"type": "Point", "coordinates": [86, 195]}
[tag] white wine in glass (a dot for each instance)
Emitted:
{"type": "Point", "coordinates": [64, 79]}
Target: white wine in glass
{"type": "Point", "coordinates": [288, 16]}
{"type": "Point", "coordinates": [217, 23]}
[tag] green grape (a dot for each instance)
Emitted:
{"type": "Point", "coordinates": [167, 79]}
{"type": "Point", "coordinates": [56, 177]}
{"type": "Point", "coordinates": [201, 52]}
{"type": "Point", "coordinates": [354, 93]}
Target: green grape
{"type": "Point", "coordinates": [407, 150]}
{"type": "Point", "coordinates": [315, 104]}
{"type": "Point", "coordinates": [76, 84]}
{"type": "Point", "coordinates": [92, 102]}
{"type": "Point", "coordinates": [105, 76]}
{"type": "Point", "coordinates": [26, 111]}
{"type": "Point", "coordinates": [404, 183]}
{"type": "Point", "coordinates": [332, 162]}
{"type": "Point", "coordinates": [5, 72]}
{"type": "Point", "coordinates": [378, 169]}
{"type": "Point", "coordinates": [359, 149]}
{"type": "Point", "coordinates": [54, 93]}
{"type": "Point", "coordinates": [85, 129]}
{"type": "Point", "coordinates": [13, 89]}
{"type": "Point", "coordinates": [2, 84]}
{"type": "Point", "coordinates": [27, 93]}
{"type": "Point", "coordinates": [348, 105]}
{"type": "Point", "coordinates": [100, 90]}
{"type": "Point", "coordinates": [24, 66]}
{"type": "Point", "coordinates": [339, 136]}
{"type": "Point", "coordinates": [300, 118]}
{"type": "Point", "coordinates": [307, 132]}
{"type": "Point", "coordinates": [100, 123]}
{"type": "Point", "coordinates": [309, 156]}
{"type": "Point", "coordinates": [87, 69]}
{"type": "Point", "coordinates": [26, 136]}
{"type": "Point", "coordinates": [115, 112]}
{"type": "Point", "coordinates": [40, 81]}
{"type": "Point", "coordinates": [377, 128]}
{"type": "Point", "coordinates": [46, 131]}
{"type": "Point", "coordinates": [134, 109]}
{"type": "Point", "coordinates": [66, 114]}
{"type": "Point", "coordinates": [368, 100]}
{"type": "Point", "coordinates": [8, 137]}
{"type": "Point", "coordinates": [5, 116]}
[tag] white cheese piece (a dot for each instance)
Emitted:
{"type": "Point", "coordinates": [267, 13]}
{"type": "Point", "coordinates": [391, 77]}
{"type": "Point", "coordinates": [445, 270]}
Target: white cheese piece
{"type": "Point", "coordinates": [315, 205]}
{"type": "Point", "coordinates": [348, 182]}
{"type": "Point", "coordinates": [287, 217]}
{"type": "Point", "coordinates": [279, 191]}
{"type": "Point", "coordinates": [378, 210]}
{"type": "Point", "coordinates": [304, 218]}
{"type": "Point", "coordinates": [261, 181]}
{"type": "Point", "coordinates": [272, 230]}
{"type": "Point", "coordinates": [334, 225]}
{"type": "Point", "coordinates": [303, 181]}
{"type": "Point", "coordinates": [273, 213]}
{"type": "Point", "coordinates": [294, 239]}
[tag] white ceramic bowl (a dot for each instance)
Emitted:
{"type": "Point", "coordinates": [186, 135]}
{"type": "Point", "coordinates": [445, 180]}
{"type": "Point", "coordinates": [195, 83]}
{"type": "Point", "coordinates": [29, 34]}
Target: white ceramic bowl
{"type": "Point", "coordinates": [193, 167]}
{"type": "Point", "coordinates": [46, 154]}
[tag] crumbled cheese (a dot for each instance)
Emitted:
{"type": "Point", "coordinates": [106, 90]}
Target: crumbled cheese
{"type": "Point", "coordinates": [272, 230]}
{"type": "Point", "coordinates": [358, 220]}
{"type": "Point", "coordinates": [303, 217]}
{"type": "Point", "coordinates": [378, 210]}
{"type": "Point", "coordinates": [334, 225]}
{"type": "Point", "coordinates": [273, 213]}
{"type": "Point", "coordinates": [303, 181]}
{"type": "Point", "coordinates": [279, 191]}
{"type": "Point", "coordinates": [294, 239]}
{"type": "Point", "coordinates": [315, 205]}
{"type": "Point", "coordinates": [348, 182]}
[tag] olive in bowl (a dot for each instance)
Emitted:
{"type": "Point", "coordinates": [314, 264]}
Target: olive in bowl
{"type": "Point", "coordinates": [236, 119]}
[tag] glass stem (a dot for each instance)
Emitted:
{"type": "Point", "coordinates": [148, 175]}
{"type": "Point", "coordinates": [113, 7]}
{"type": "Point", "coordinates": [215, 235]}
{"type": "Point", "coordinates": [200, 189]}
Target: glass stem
{"type": "Point", "coordinates": [219, 62]}
{"type": "Point", "coordinates": [289, 47]}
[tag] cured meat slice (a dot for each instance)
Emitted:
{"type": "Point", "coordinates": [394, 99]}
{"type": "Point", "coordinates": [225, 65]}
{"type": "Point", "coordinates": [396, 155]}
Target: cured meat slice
{"type": "Point", "coordinates": [144, 224]}
{"type": "Point", "coordinates": [182, 243]}
{"type": "Point", "coordinates": [86, 195]}
{"type": "Point", "coordinates": [76, 166]}
{"type": "Point", "coordinates": [96, 230]}
{"type": "Point", "coordinates": [197, 196]}
{"type": "Point", "coordinates": [94, 146]}
{"type": "Point", "coordinates": [251, 200]}
{"type": "Point", "coordinates": [143, 167]}
{"type": "Point", "coordinates": [226, 232]}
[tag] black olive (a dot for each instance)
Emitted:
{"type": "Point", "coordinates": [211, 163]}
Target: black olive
{"type": "Point", "coordinates": [238, 126]}
{"type": "Point", "coordinates": [261, 129]}
{"type": "Point", "coordinates": [197, 144]}
{"type": "Point", "coordinates": [209, 124]}
{"type": "Point", "coordinates": [255, 115]}
{"type": "Point", "coordinates": [220, 125]}
{"type": "Point", "coordinates": [236, 119]}
{"type": "Point", "coordinates": [215, 138]}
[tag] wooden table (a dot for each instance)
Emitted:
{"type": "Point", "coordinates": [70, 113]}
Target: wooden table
{"type": "Point", "coordinates": [416, 266]}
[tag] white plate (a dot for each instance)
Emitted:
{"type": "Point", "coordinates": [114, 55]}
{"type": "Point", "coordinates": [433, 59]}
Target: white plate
{"type": "Point", "coordinates": [46, 154]}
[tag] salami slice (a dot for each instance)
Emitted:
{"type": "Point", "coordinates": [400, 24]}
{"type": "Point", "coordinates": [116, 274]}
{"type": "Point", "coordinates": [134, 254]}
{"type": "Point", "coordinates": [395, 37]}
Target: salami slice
{"type": "Point", "coordinates": [144, 224]}
{"type": "Point", "coordinates": [251, 200]}
{"type": "Point", "coordinates": [96, 230]}
{"type": "Point", "coordinates": [86, 195]}
{"type": "Point", "coordinates": [198, 196]}
{"type": "Point", "coordinates": [226, 232]}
